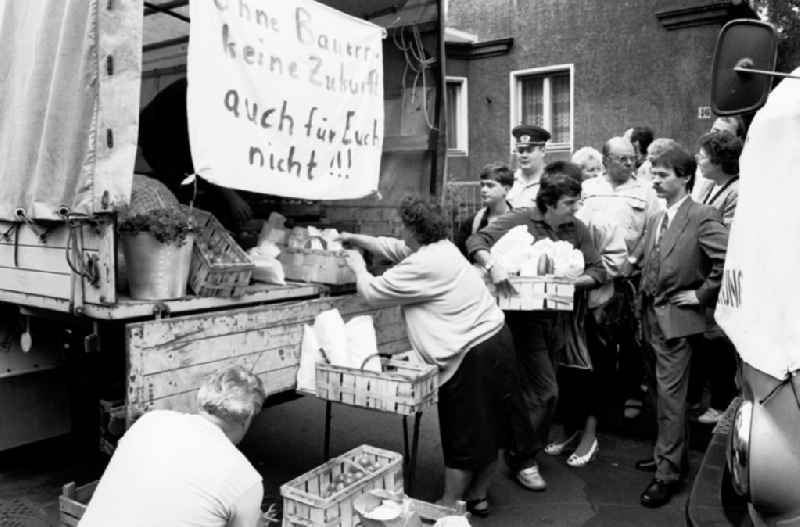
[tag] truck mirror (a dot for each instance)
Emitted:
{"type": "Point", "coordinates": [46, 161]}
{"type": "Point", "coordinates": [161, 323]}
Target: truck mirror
{"type": "Point", "coordinates": [751, 47]}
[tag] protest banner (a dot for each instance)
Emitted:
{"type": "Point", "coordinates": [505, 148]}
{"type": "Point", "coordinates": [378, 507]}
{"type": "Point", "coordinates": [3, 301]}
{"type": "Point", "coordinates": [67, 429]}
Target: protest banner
{"type": "Point", "coordinates": [285, 98]}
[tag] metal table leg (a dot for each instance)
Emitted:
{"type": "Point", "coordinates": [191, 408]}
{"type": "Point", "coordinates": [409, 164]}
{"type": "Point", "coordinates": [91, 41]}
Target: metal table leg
{"type": "Point", "coordinates": [326, 450]}
{"type": "Point", "coordinates": [412, 462]}
{"type": "Point", "coordinates": [405, 438]}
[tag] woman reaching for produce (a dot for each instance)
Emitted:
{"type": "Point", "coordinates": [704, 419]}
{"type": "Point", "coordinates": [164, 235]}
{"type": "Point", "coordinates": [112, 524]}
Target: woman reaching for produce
{"type": "Point", "coordinates": [453, 322]}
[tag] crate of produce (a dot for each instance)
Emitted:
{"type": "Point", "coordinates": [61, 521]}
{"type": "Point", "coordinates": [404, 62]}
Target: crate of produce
{"type": "Point", "coordinates": [324, 496]}
{"type": "Point", "coordinates": [538, 293]}
{"type": "Point", "coordinates": [316, 265]}
{"type": "Point", "coordinates": [73, 501]}
{"type": "Point", "coordinates": [402, 387]}
{"type": "Point", "coordinates": [219, 266]}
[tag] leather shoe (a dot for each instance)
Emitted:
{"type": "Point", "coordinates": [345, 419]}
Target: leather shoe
{"type": "Point", "coordinates": [646, 465]}
{"type": "Point", "coordinates": [658, 493]}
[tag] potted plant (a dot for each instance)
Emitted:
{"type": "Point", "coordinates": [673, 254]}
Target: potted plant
{"type": "Point", "coordinates": [157, 245]}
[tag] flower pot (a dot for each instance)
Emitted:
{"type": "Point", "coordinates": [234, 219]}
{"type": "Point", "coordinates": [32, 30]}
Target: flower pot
{"type": "Point", "coordinates": [156, 271]}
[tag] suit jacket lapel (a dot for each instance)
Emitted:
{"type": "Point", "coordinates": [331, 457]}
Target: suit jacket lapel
{"type": "Point", "coordinates": [675, 228]}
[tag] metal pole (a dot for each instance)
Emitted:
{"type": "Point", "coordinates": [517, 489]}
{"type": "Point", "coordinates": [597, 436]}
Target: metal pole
{"type": "Point", "coordinates": [326, 450]}
{"type": "Point", "coordinates": [739, 69]}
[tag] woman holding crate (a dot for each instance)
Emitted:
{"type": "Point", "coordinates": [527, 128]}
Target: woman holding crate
{"type": "Point", "coordinates": [453, 322]}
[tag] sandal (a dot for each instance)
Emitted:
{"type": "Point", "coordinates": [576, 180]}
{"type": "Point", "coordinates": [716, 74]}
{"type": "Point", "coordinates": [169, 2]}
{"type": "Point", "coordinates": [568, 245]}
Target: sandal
{"type": "Point", "coordinates": [478, 507]}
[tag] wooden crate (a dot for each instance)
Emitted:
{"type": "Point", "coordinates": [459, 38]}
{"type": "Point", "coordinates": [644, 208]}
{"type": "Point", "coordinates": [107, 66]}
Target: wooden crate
{"type": "Point", "coordinates": [402, 388]}
{"type": "Point", "coordinates": [210, 278]}
{"type": "Point", "coordinates": [306, 503]}
{"type": "Point", "coordinates": [315, 265]}
{"type": "Point", "coordinates": [538, 293]}
{"type": "Point", "coordinates": [72, 502]}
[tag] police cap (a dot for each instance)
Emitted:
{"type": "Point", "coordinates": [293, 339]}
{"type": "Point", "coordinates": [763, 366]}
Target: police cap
{"type": "Point", "coordinates": [529, 134]}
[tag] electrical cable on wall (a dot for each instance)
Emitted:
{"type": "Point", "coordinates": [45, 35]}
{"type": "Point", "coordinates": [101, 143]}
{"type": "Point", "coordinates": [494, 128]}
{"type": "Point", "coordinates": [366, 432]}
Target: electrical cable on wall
{"type": "Point", "coordinates": [415, 59]}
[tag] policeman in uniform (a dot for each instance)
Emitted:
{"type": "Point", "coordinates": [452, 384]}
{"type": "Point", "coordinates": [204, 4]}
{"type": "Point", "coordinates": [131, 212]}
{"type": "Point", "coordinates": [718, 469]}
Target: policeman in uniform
{"type": "Point", "coordinates": [529, 152]}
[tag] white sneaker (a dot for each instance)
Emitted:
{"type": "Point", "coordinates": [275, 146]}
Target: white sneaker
{"type": "Point", "coordinates": [710, 417]}
{"type": "Point", "coordinates": [531, 479]}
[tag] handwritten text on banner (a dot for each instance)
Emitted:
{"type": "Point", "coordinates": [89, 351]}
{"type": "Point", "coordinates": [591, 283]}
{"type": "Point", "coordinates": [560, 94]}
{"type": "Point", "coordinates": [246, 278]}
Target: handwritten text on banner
{"type": "Point", "coordinates": [285, 98]}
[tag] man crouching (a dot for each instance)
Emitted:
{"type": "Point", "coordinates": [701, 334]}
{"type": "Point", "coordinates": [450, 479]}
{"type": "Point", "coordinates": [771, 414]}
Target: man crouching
{"type": "Point", "coordinates": [175, 469]}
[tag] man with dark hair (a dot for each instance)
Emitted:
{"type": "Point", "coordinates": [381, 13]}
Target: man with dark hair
{"type": "Point", "coordinates": [535, 333]}
{"type": "Point", "coordinates": [496, 180]}
{"type": "Point", "coordinates": [529, 149]}
{"type": "Point", "coordinates": [641, 137]}
{"type": "Point", "coordinates": [684, 253]}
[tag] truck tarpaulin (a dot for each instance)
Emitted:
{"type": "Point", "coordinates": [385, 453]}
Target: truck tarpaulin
{"type": "Point", "coordinates": [69, 92]}
{"type": "Point", "coordinates": [758, 305]}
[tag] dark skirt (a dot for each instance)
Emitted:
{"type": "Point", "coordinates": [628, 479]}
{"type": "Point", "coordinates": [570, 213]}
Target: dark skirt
{"type": "Point", "coordinates": [475, 404]}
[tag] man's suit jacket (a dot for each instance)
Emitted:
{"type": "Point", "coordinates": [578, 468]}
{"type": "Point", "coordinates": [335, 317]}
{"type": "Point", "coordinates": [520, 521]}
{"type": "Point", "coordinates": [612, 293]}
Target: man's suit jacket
{"type": "Point", "coordinates": [692, 254]}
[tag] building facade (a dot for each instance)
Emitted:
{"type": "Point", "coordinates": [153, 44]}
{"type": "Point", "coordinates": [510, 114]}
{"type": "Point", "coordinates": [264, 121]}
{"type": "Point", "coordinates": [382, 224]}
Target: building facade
{"type": "Point", "coordinates": [586, 70]}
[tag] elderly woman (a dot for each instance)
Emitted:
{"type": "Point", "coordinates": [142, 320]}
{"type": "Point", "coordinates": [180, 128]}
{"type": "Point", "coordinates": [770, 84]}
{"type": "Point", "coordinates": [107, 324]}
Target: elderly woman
{"type": "Point", "coordinates": [590, 160]}
{"type": "Point", "coordinates": [172, 469]}
{"type": "Point", "coordinates": [453, 322]}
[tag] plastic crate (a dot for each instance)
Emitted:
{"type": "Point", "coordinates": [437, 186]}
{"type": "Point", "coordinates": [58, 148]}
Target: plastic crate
{"type": "Point", "coordinates": [403, 387]}
{"type": "Point", "coordinates": [306, 501]}
{"type": "Point", "coordinates": [207, 277]}
{"type": "Point", "coordinates": [538, 293]}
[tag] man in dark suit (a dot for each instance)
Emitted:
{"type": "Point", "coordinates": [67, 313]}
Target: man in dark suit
{"type": "Point", "coordinates": [684, 253]}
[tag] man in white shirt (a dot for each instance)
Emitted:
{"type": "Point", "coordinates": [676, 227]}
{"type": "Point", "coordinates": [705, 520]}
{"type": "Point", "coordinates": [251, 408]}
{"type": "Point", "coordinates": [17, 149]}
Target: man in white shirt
{"type": "Point", "coordinates": [529, 152]}
{"type": "Point", "coordinates": [172, 469]}
{"type": "Point", "coordinates": [618, 198]}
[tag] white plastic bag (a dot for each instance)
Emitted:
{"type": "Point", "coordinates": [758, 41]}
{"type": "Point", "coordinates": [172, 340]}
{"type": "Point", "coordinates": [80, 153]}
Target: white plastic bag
{"type": "Point", "coordinates": [512, 248]}
{"type": "Point", "coordinates": [332, 336]}
{"type": "Point", "coordinates": [273, 230]}
{"type": "Point", "coordinates": [362, 343]}
{"type": "Point", "coordinates": [309, 356]}
{"type": "Point", "coordinates": [267, 268]}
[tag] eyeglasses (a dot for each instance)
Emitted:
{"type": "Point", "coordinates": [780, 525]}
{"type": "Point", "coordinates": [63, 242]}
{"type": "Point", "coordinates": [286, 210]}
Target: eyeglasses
{"type": "Point", "coordinates": [622, 159]}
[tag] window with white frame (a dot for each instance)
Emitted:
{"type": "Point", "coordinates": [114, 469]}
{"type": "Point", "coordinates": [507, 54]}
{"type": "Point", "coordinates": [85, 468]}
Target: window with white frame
{"type": "Point", "coordinates": [457, 131]}
{"type": "Point", "coordinates": [543, 97]}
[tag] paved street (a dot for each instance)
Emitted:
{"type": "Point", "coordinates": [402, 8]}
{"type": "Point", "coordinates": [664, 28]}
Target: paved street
{"type": "Point", "coordinates": [287, 440]}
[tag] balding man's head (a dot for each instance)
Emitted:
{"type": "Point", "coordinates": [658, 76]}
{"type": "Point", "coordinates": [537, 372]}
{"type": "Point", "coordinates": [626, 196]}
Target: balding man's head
{"type": "Point", "coordinates": [619, 158]}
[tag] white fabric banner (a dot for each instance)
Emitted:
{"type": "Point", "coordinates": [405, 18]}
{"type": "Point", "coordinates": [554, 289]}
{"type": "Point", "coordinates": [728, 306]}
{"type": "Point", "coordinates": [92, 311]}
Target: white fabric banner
{"type": "Point", "coordinates": [286, 98]}
{"type": "Point", "coordinates": [758, 305]}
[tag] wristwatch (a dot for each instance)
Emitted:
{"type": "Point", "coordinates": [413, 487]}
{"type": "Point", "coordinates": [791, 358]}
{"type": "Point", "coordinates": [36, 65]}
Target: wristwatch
{"type": "Point", "coordinates": [489, 265]}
